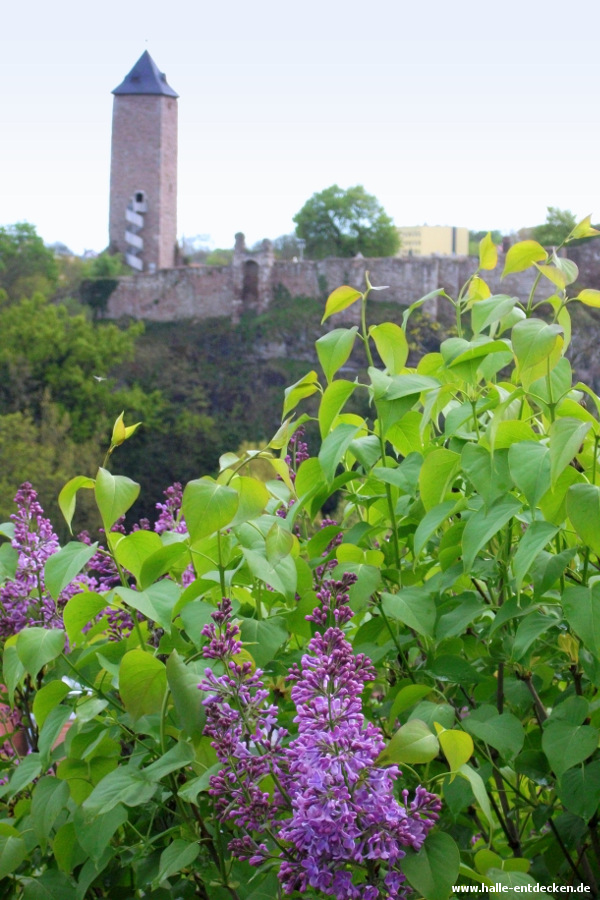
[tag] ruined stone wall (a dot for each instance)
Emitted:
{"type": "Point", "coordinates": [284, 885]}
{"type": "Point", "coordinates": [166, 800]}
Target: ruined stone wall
{"type": "Point", "coordinates": [188, 293]}
{"type": "Point", "coordinates": [206, 291]}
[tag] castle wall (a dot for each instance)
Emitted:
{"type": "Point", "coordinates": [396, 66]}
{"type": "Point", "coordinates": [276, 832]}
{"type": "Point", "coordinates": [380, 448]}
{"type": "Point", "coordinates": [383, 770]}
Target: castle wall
{"type": "Point", "coordinates": [188, 293]}
{"type": "Point", "coordinates": [206, 291]}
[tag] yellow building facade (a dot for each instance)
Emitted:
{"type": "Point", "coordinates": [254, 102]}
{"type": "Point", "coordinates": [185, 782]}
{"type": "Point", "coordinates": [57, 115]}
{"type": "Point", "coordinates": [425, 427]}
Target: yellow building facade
{"type": "Point", "coordinates": [427, 240]}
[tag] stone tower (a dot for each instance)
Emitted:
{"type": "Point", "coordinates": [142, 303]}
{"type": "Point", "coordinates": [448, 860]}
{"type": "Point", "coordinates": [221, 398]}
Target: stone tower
{"type": "Point", "coordinates": [143, 174]}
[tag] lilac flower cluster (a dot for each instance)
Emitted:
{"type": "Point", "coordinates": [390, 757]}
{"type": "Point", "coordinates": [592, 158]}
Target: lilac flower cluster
{"type": "Point", "coordinates": [297, 453]}
{"type": "Point", "coordinates": [24, 600]}
{"type": "Point", "coordinates": [333, 816]}
{"type": "Point", "coordinates": [169, 518]}
{"type": "Point", "coordinates": [247, 740]}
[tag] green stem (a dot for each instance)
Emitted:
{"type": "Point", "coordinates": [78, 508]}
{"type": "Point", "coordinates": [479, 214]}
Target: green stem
{"type": "Point", "coordinates": [388, 487]}
{"type": "Point", "coordinates": [221, 569]}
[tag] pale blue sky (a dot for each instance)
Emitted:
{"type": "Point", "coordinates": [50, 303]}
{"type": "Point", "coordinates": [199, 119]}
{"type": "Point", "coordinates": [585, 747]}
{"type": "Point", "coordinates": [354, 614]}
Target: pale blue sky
{"type": "Point", "coordinates": [462, 113]}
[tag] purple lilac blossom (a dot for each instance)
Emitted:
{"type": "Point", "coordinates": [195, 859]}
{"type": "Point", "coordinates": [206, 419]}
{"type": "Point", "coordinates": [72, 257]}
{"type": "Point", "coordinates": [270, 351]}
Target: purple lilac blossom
{"type": "Point", "coordinates": [297, 454]}
{"type": "Point", "coordinates": [333, 814]}
{"type": "Point", "coordinates": [24, 600]}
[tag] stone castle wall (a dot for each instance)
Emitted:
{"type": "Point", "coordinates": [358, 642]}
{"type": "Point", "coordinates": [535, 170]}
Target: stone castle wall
{"type": "Point", "coordinates": [197, 292]}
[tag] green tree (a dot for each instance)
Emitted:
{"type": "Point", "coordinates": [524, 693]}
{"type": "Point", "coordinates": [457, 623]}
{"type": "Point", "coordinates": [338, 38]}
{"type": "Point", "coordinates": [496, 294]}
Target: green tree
{"type": "Point", "coordinates": [26, 264]}
{"type": "Point", "coordinates": [557, 227]}
{"type": "Point", "coordinates": [338, 222]}
{"type": "Point", "coordinates": [48, 354]}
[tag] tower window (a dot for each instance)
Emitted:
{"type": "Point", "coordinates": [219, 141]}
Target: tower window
{"type": "Point", "coordinates": [139, 197]}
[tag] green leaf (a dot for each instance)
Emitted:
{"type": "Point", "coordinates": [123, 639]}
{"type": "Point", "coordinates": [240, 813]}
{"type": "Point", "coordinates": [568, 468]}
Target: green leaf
{"type": "Point", "coordinates": [134, 549]}
{"type": "Point", "coordinates": [334, 348]}
{"type": "Point", "coordinates": [391, 344]}
{"type": "Point", "coordinates": [49, 885]}
{"type": "Point", "coordinates": [9, 561]}
{"type": "Point", "coordinates": [514, 881]}
{"type": "Point", "coordinates": [37, 647]}
{"type": "Point", "coordinates": [95, 836]}
{"type": "Point", "coordinates": [537, 536]}
{"type": "Point", "coordinates": [263, 638]}
{"type": "Point", "coordinates": [142, 683]}
{"type": "Point", "coordinates": [453, 669]}
{"type": "Point", "coordinates": [529, 630]}
{"type": "Point", "coordinates": [208, 506]}
{"type": "Point", "coordinates": [126, 784]}
{"type": "Point", "coordinates": [583, 229]}
{"type": "Point", "coordinates": [579, 790]}
{"type": "Point", "coordinates": [581, 608]}
{"type": "Point", "coordinates": [156, 603]}
{"type": "Point", "coordinates": [13, 669]}
{"type": "Point", "coordinates": [412, 743]}
{"type": "Point", "coordinates": [492, 309]}
{"type": "Point", "coordinates": [50, 795]}
{"type": "Point", "coordinates": [61, 568]}
{"type": "Point", "coordinates": [566, 437]}
{"type": "Point", "coordinates": [434, 869]}
{"type": "Point", "coordinates": [479, 791]}
{"type": "Point", "coordinates": [413, 606]}
{"type": "Point", "coordinates": [115, 494]}
{"type": "Point", "coordinates": [281, 576]}
{"type": "Point", "coordinates": [332, 402]}
{"type": "Point", "coordinates": [47, 698]}
{"type": "Point", "coordinates": [159, 563]}
{"type": "Point", "coordinates": [79, 611]}
{"type": "Point", "coordinates": [488, 473]}
{"type": "Point", "coordinates": [334, 447]}
{"type": "Point", "coordinates": [304, 387]}
{"type": "Point", "coordinates": [253, 495]}
{"type": "Point", "coordinates": [180, 755]}
{"type": "Point", "coordinates": [183, 684]}
{"type": "Point", "coordinates": [488, 254]}
{"type": "Point", "coordinates": [483, 524]}
{"type": "Point", "coordinates": [522, 255]}
{"type": "Point", "coordinates": [457, 747]}
{"type": "Point", "coordinates": [529, 464]}
{"type": "Point", "coordinates": [503, 732]}
{"type": "Point", "coordinates": [195, 616]}
{"type": "Point", "coordinates": [13, 851]}
{"type": "Point", "coordinates": [583, 509]}
{"type": "Point", "coordinates": [51, 732]}
{"type": "Point", "coordinates": [431, 522]}
{"type": "Point", "coordinates": [589, 297]}
{"type": "Point", "coordinates": [68, 496]}
{"type": "Point", "coordinates": [567, 745]}
{"type": "Point", "coordinates": [23, 775]}
{"type": "Point", "coordinates": [533, 341]}
{"type": "Point", "coordinates": [177, 856]}
{"type": "Point", "coordinates": [405, 698]}
{"type": "Point", "coordinates": [340, 299]}
{"type": "Point", "coordinates": [439, 469]}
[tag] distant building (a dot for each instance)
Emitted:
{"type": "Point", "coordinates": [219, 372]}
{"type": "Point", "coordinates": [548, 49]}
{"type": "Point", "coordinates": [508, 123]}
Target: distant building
{"type": "Point", "coordinates": [143, 175]}
{"type": "Point", "coordinates": [427, 240]}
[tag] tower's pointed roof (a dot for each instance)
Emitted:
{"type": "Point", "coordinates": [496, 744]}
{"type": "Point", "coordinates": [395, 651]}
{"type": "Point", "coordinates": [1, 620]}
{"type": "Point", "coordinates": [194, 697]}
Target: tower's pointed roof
{"type": "Point", "coordinates": [145, 78]}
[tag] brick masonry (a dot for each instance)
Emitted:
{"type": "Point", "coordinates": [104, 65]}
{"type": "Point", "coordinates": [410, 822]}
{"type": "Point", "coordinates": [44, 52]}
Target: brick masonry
{"type": "Point", "coordinates": [144, 158]}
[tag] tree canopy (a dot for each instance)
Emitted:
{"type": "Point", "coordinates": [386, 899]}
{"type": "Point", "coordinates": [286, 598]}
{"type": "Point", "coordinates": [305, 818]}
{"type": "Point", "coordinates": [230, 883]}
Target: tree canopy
{"type": "Point", "coordinates": [557, 227]}
{"type": "Point", "coordinates": [338, 222]}
{"type": "Point", "coordinates": [26, 264]}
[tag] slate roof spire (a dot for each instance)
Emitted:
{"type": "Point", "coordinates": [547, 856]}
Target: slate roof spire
{"type": "Point", "coordinates": [145, 78]}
